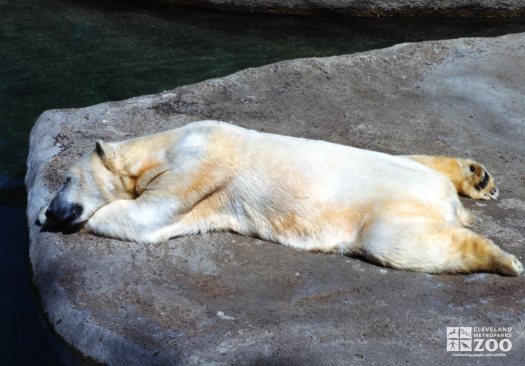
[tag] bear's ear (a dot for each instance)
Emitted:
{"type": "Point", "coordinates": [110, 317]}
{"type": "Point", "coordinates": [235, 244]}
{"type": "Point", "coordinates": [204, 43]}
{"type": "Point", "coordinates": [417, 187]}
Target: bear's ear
{"type": "Point", "coordinates": [105, 151]}
{"type": "Point", "coordinates": [100, 147]}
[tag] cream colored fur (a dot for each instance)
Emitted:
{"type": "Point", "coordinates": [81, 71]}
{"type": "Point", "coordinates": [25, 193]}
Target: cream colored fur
{"type": "Point", "coordinates": [399, 211]}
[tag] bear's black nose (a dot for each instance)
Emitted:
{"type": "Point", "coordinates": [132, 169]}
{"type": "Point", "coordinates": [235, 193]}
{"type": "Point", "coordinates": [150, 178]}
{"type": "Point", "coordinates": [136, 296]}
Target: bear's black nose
{"type": "Point", "coordinates": [64, 214]}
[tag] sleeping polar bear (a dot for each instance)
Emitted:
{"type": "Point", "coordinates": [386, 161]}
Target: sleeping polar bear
{"type": "Point", "coordinates": [399, 211]}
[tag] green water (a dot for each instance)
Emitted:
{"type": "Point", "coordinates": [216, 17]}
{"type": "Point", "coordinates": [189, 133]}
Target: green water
{"type": "Point", "coordinates": [58, 54]}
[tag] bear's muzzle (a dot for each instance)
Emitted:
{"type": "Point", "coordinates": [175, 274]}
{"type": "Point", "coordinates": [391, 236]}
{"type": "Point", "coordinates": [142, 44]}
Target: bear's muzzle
{"type": "Point", "coordinates": [64, 214]}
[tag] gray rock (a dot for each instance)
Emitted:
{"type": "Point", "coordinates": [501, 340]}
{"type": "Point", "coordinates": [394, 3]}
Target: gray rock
{"type": "Point", "coordinates": [222, 298]}
{"type": "Point", "coordinates": [365, 8]}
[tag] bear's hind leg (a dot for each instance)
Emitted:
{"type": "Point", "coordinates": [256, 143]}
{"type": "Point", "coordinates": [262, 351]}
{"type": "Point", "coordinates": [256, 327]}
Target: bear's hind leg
{"type": "Point", "coordinates": [423, 242]}
{"type": "Point", "coordinates": [470, 178]}
{"type": "Point", "coordinates": [471, 252]}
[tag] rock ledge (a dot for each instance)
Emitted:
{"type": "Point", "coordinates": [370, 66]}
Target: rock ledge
{"type": "Point", "coordinates": [362, 8]}
{"type": "Point", "coordinates": [227, 299]}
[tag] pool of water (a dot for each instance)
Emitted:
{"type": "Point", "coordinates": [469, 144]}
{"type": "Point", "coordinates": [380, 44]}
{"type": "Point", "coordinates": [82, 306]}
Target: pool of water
{"type": "Point", "coordinates": [59, 53]}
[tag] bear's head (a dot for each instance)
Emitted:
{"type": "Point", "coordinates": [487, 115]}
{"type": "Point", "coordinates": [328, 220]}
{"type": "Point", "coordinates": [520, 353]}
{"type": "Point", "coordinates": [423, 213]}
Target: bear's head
{"type": "Point", "coordinates": [91, 183]}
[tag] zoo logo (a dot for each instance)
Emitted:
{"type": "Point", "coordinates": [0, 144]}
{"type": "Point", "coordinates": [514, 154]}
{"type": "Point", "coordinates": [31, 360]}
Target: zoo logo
{"type": "Point", "coordinates": [479, 339]}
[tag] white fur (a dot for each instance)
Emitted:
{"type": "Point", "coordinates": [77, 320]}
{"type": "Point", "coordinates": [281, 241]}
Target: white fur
{"type": "Point", "coordinates": [308, 194]}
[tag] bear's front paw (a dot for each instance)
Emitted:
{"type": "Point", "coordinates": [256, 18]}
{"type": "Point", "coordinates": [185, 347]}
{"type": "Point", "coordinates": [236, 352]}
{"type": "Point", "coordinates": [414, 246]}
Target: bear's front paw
{"type": "Point", "coordinates": [42, 219]}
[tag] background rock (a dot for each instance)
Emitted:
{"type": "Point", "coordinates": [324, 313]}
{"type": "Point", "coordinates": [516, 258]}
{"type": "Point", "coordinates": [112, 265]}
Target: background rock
{"type": "Point", "coordinates": [366, 8]}
{"type": "Point", "coordinates": [227, 299]}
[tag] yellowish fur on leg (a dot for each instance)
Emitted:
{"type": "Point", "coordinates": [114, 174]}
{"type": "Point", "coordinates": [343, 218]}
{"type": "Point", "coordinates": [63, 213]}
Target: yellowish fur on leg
{"type": "Point", "coordinates": [466, 218]}
{"type": "Point", "coordinates": [470, 178]}
{"type": "Point", "coordinates": [471, 252]}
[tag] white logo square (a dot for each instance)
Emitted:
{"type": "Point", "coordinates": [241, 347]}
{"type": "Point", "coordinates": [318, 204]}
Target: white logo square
{"type": "Point", "coordinates": [465, 332]}
{"type": "Point", "coordinates": [453, 345]}
{"type": "Point", "coordinates": [452, 332]}
{"type": "Point", "coordinates": [465, 345]}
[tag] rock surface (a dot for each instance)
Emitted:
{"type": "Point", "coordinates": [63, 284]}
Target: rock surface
{"type": "Point", "coordinates": [226, 299]}
{"type": "Point", "coordinates": [366, 8]}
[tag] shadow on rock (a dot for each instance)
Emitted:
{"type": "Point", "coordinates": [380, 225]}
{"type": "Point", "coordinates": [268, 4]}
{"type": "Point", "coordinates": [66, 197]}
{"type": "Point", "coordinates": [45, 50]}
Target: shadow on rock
{"type": "Point", "coordinates": [51, 227]}
{"type": "Point", "coordinates": [279, 361]}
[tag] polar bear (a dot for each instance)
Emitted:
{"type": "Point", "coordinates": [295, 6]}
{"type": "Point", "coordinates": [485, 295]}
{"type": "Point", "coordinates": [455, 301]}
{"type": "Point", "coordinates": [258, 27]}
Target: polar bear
{"type": "Point", "coordinates": [398, 211]}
